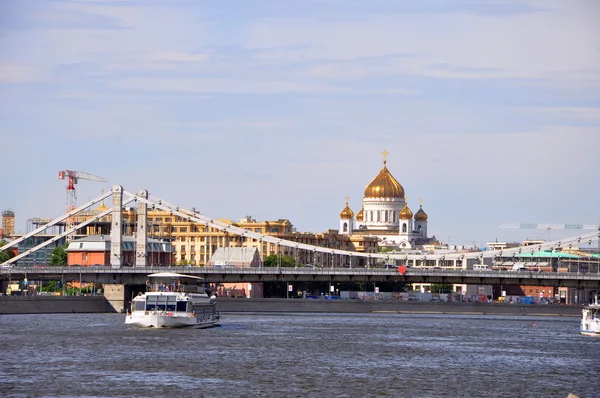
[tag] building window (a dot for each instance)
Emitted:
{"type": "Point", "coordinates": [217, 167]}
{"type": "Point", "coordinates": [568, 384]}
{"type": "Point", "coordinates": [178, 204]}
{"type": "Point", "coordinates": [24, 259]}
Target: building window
{"type": "Point", "coordinates": [404, 227]}
{"type": "Point", "coordinates": [183, 229]}
{"type": "Point", "coordinates": [345, 227]}
{"type": "Point", "coordinates": [386, 216]}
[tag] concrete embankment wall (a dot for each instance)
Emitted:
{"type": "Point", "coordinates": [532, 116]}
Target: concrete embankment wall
{"type": "Point", "coordinates": [53, 304]}
{"type": "Point", "coordinates": [100, 304]}
{"type": "Point", "coordinates": [378, 306]}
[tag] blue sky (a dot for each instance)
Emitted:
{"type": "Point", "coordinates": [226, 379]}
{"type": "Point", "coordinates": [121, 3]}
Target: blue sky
{"type": "Point", "coordinates": [490, 110]}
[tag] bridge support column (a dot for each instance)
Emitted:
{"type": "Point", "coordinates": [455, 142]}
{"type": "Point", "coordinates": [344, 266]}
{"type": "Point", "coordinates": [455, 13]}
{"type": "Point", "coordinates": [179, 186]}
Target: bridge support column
{"type": "Point", "coordinates": [116, 232]}
{"type": "Point", "coordinates": [115, 295]}
{"type": "Point", "coordinates": [141, 244]}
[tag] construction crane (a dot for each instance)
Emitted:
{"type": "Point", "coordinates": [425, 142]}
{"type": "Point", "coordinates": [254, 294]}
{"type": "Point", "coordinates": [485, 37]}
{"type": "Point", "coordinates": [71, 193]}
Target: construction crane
{"type": "Point", "coordinates": [73, 178]}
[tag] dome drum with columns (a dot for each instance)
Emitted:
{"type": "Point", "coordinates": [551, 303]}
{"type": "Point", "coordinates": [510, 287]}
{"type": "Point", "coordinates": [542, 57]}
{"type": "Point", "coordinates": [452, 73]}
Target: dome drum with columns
{"type": "Point", "coordinates": [385, 213]}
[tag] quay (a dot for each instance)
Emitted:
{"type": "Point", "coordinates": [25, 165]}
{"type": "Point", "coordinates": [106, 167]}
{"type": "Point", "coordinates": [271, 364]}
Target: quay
{"type": "Point", "coordinates": [100, 304]}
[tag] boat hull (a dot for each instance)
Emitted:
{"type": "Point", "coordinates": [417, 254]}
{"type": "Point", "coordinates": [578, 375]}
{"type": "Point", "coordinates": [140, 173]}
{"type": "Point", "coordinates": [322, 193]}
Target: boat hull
{"type": "Point", "coordinates": [164, 320]}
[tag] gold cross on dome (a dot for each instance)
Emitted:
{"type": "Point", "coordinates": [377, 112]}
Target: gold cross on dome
{"type": "Point", "coordinates": [384, 153]}
{"type": "Point", "coordinates": [347, 198]}
{"type": "Point", "coordinates": [406, 200]}
{"type": "Point", "coordinates": [421, 201]}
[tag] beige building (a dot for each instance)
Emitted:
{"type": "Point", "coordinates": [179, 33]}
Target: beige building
{"type": "Point", "coordinates": [195, 243]}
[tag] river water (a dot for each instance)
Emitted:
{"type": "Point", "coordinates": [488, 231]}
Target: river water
{"type": "Point", "coordinates": [299, 355]}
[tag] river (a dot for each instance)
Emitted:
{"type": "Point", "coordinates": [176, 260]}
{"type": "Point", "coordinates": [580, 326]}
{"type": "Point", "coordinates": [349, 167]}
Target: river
{"type": "Point", "coordinates": [299, 355]}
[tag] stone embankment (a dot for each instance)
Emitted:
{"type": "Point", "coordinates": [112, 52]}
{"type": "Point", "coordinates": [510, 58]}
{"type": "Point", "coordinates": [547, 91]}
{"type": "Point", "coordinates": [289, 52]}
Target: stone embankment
{"type": "Point", "coordinates": [233, 305]}
{"type": "Point", "coordinates": [53, 304]}
{"type": "Point", "coordinates": [99, 304]}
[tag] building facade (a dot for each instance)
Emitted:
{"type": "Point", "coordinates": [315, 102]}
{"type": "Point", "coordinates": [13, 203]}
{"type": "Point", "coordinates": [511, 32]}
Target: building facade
{"type": "Point", "coordinates": [195, 243]}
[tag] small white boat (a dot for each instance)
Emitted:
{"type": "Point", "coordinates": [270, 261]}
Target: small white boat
{"type": "Point", "coordinates": [590, 320]}
{"type": "Point", "coordinates": [172, 301]}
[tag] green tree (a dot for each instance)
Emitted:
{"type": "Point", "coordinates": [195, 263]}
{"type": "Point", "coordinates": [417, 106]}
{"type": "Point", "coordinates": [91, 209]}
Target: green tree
{"type": "Point", "coordinates": [284, 261]}
{"type": "Point", "coordinates": [7, 254]}
{"type": "Point", "coordinates": [51, 286]}
{"type": "Point", "coordinates": [441, 288]}
{"type": "Point", "coordinates": [59, 256]}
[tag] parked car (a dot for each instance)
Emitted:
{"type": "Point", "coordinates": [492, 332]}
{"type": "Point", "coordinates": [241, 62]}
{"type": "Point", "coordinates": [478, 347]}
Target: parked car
{"type": "Point", "coordinates": [390, 266]}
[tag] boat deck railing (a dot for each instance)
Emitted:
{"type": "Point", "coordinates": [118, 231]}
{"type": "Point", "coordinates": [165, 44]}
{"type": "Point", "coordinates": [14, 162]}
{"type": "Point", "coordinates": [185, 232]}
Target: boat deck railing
{"type": "Point", "coordinates": [172, 286]}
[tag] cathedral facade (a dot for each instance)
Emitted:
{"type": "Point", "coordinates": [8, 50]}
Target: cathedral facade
{"type": "Point", "coordinates": [384, 213]}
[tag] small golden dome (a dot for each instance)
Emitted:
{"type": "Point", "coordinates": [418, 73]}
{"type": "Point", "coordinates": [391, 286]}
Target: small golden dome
{"type": "Point", "coordinates": [384, 186]}
{"type": "Point", "coordinates": [405, 213]}
{"type": "Point", "coordinates": [421, 215]}
{"type": "Point", "coordinates": [101, 208]}
{"type": "Point", "coordinates": [347, 213]}
{"type": "Point", "coordinates": [360, 217]}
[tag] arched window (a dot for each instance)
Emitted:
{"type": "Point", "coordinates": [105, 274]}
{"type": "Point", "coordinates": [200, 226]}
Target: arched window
{"type": "Point", "coordinates": [386, 216]}
{"type": "Point", "coordinates": [393, 216]}
{"type": "Point", "coordinates": [378, 215]}
{"type": "Point", "coordinates": [404, 227]}
{"type": "Point", "coordinates": [345, 227]}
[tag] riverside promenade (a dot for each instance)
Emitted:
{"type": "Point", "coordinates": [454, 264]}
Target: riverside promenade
{"type": "Point", "coordinates": [99, 304]}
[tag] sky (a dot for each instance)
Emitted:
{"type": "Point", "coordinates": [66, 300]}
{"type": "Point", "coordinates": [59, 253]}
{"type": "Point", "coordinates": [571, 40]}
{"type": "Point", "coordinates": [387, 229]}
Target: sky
{"type": "Point", "coordinates": [490, 110]}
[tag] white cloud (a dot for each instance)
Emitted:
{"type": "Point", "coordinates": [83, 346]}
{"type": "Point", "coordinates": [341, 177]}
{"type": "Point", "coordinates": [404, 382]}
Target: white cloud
{"type": "Point", "coordinates": [19, 73]}
{"type": "Point", "coordinates": [573, 113]}
{"type": "Point", "coordinates": [224, 86]}
{"type": "Point", "coordinates": [560, 43]}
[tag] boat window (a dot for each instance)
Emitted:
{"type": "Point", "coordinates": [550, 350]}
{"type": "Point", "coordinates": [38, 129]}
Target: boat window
{"type": "Point", "coordinates": [171, 302]}
{"type": "Point", "coordinates": [181, 306]}
{"type": "Point", "coordinates": [161, 303]}
{"type": "Point", "coordinates": [140, 305]}
{"type": "Point", "coordinates": [150, 303]}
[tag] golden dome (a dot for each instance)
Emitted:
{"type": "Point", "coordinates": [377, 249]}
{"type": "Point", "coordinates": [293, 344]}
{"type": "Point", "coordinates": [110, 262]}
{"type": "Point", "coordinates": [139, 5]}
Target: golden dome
{"type": "Point", "coordinates": [421, 215]}
{"type": "Point", "coordinates": [347, 213]}
{"type": "Point", "coordinates": [384, 186]}
{"type": "Point", "coordinates": [360, 217]}
{"type": "Point", "coordinates": [101, 208]}
{"type": "Point", "coordinates": [405, 213]}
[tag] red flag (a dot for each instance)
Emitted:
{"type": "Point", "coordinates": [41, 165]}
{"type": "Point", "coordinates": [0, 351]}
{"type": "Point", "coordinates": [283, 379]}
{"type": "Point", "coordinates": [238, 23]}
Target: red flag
{"type": "Point", "coordinates": [402, 269]}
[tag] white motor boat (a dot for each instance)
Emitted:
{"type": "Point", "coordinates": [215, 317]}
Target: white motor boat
{"type": "Point", "coordinates": [172, 301]}
{"type": "Point", "coordinates": [590, 320]}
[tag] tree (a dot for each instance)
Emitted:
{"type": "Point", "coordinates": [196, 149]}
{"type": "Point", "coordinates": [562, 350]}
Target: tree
{"type": "Point", "coordinates": [7, 254]}
{"type": "Point", "coordinates": [441, 288]}
{"type": "Point", "coordinates": [284, 261]}
{"type": "Point", "coordinates": [58, 256]}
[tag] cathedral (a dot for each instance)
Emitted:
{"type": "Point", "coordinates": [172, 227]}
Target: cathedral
{"type": "Point", "coordinates": [385, 213]}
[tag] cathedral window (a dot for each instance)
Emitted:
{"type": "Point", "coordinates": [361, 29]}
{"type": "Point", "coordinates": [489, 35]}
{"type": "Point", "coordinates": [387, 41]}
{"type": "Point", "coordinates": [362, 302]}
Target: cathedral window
{"type": "Point", "coordinates": [386, 216]}
{"type": "Point", "coordinates": [393, 216]}
{"type": "Point", "coordinates": [404, 227]}
{"type": "Point", "coordinates": [345, 227]}
{"type": "Point", "coordinates": [378, 215]}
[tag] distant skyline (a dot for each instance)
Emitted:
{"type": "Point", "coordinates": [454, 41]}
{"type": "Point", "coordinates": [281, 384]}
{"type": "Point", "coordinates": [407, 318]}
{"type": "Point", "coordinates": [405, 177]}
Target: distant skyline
{"type": "Point", "coordinates": [490, 110]}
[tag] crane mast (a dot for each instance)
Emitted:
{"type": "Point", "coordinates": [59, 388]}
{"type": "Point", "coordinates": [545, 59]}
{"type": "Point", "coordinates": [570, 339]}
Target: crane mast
{"type": "Point", "coordinates": [73, 178]}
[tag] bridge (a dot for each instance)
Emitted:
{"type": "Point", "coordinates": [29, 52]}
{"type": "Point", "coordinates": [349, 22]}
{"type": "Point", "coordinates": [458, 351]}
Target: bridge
{"type": "Point", "coordinates": [138, 275]}
{"type": "Point", "coordinates": [122, 198]}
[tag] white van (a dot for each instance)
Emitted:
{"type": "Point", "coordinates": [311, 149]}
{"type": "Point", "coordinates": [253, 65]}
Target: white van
{"type": "Point", "coordinates": [480, 267]}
